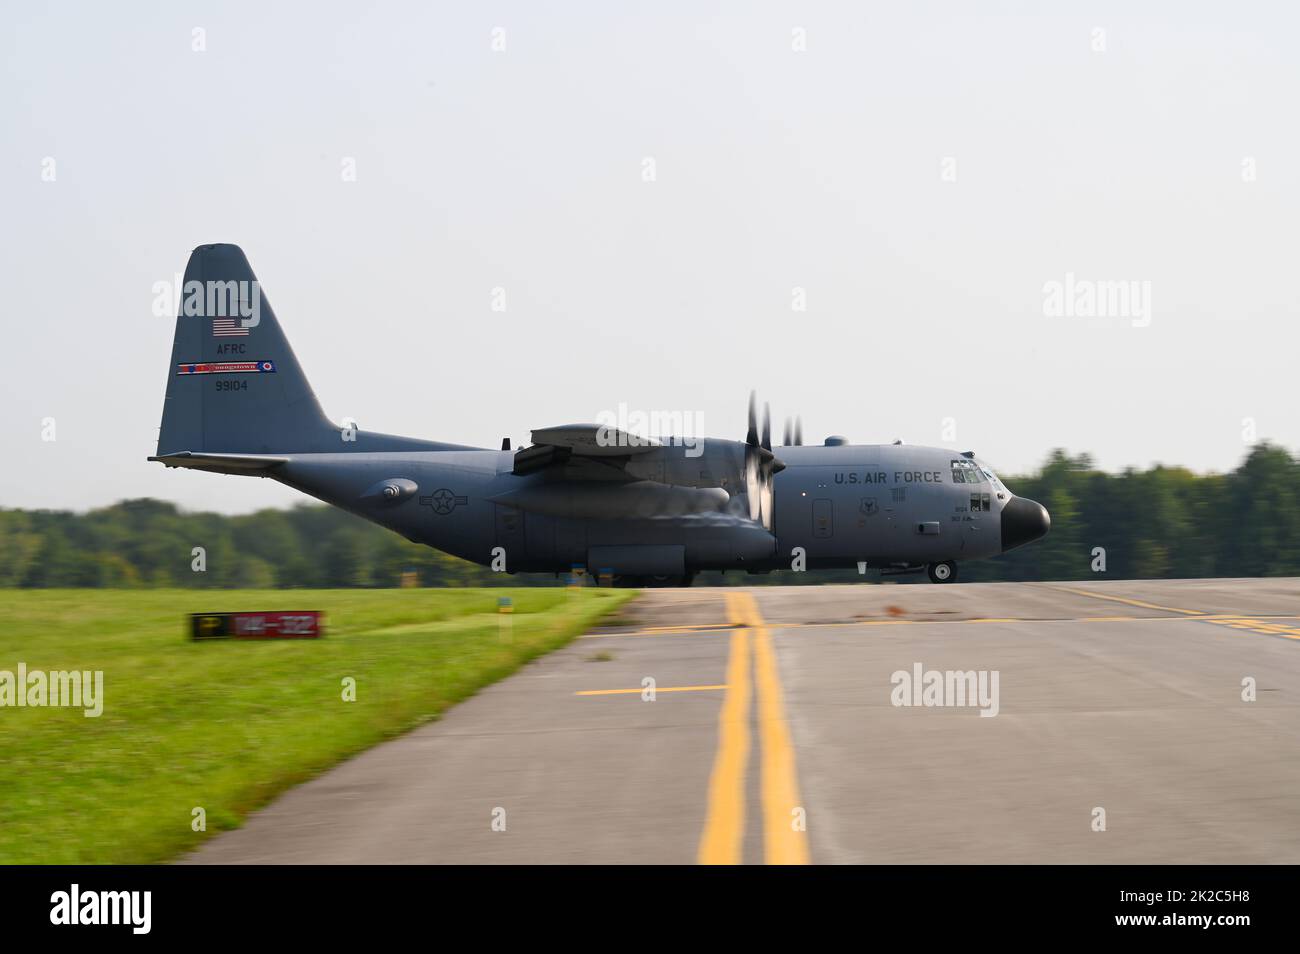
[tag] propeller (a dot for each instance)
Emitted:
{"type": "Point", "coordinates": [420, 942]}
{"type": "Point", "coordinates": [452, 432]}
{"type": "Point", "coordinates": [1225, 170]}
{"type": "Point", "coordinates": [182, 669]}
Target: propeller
{"type": "Point", "coordinates": [793, 437]}
{"type": "Point", "coordinates": [761, 465]}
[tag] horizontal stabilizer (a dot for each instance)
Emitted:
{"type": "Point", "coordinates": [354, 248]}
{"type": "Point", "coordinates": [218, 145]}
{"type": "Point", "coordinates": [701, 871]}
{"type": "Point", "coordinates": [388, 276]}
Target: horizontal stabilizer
{"type": "Point", "coordinates": [221, 463]}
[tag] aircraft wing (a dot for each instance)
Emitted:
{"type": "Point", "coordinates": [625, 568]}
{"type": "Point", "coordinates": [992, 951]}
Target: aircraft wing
{"type": "Point", "coordinates": [557, 445]}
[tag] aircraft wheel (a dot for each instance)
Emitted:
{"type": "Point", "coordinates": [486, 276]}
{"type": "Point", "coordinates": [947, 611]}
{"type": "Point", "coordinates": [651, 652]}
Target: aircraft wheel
{"type": "Point", "coordinates": [944, 572]}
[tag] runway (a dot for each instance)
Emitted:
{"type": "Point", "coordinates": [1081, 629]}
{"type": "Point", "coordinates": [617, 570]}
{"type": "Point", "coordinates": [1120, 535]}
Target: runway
{"type": "Point", "coordinates": [1123, 734]}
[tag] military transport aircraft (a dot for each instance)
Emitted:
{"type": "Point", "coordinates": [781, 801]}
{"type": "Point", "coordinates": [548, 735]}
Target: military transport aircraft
{"type": "Point", "coordinates": [638, 511]}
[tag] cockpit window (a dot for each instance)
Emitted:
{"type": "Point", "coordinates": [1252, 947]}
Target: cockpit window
{"type": "Point", "coordinates": [965, 472]}
{"type": "Point", "coordinates": [988, 474]}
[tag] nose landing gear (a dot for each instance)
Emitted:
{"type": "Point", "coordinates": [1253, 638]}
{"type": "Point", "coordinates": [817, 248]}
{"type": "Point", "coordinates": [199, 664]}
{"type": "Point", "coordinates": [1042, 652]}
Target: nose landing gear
{"type": "Point", "coordinates": [944, 572]}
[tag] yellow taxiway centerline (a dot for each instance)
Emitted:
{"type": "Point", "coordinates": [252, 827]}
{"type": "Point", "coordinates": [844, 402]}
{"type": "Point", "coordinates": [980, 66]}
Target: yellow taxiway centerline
{"type": "Point", "coordinates": [724, 822]}
{"type": "Point", "coordinates": [785, 839]}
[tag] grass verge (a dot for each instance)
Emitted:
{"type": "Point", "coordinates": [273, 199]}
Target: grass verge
{"type": "Point", "coordinates": [227, 725]}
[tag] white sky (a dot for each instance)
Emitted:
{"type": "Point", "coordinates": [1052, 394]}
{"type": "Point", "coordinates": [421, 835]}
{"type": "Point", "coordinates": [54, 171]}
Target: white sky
{"type": "Point", "coordinates": [775, 169]}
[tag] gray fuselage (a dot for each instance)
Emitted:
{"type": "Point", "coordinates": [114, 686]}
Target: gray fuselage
{"type": "Point", "coordinates": [883, 505]}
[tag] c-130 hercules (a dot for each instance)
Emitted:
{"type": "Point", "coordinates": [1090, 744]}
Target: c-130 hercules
{"type": "Point", "coordinates": [583, 495]}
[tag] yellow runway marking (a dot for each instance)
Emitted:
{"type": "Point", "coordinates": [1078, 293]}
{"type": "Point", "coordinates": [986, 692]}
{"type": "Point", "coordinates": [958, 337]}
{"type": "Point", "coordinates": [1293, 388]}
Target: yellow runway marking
{"type": "Point", "coordinates": [784, 843]}
{"type": "Point", "coordinates": [920, 622]}
{"type": "Point", "coordinates": [724, 823]}
{"type": "Point", "coordinates": [618, 692]}
{"type": "Point", "coordinates": [1258, 625]}
{"type": "Point", "coordinates": [1124, 599]}
{"type": "Point", "coordinates": [722, 840]}
{"type": "Point", "coordinates": [1254, 624]}
{"type": "Point", "coordinates": [683, 626]}
{"type": "Point", "coordinates": [663, 631]}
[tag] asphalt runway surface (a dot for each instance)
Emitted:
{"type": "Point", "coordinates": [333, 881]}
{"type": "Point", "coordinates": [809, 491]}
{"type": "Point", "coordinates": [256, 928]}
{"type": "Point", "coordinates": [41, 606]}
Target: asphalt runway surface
{"type": "Point", "coordinates": [772, 736]}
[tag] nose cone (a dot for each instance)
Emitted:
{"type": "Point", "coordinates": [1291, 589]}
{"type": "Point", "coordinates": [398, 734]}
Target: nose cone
{"type": "Point", "coordinates": [1023, 521]}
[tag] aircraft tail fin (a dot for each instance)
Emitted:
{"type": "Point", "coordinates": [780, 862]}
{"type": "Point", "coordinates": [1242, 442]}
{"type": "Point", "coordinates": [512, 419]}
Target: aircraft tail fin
{"type": "Point", "coordinates": [234, 384]}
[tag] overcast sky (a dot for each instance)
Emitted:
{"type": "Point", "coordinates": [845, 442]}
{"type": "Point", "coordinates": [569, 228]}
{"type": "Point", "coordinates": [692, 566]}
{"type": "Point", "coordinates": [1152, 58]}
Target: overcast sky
{"type": "Point", "coordinates": [922, 172]}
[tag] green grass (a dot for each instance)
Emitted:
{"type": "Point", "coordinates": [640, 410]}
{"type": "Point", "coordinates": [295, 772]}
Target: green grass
{"type": "Point", "coordinates": [227, 725]}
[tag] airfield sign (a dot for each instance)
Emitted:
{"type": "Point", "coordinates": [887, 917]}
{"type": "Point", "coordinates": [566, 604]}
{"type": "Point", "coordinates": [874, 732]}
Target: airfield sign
{"type": "Point", "coordinates": [295, 624]}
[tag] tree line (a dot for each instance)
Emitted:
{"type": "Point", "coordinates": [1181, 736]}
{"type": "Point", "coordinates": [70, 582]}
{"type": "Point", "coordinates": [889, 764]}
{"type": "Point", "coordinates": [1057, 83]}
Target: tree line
{"type": "Point", "coordinates": [1139, 524]}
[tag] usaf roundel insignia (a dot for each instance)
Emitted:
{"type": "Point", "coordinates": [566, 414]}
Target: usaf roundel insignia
{"type": "Point", "coordinates": [443, 501]}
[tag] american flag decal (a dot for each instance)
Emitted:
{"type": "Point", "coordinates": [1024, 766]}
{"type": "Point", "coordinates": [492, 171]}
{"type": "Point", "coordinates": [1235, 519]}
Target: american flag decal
{"type": "Point", "coordinates": [228, 328]}
{"type": "Point", "coordinates": [227, 367]}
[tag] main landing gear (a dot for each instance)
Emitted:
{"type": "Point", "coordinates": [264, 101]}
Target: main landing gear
{"type": "Point", "coordinates": [944, 572]}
